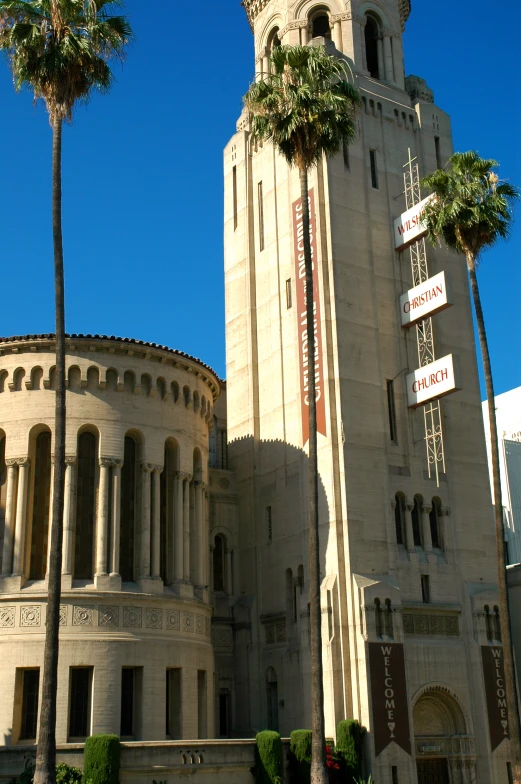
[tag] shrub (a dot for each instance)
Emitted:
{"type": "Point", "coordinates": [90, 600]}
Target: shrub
{"type": "Point", "coordinates": [102, 754]}
{"type": "Point", "coordinates": [269, 768]}
{"type": "Point", "coordinates": [300, 750]}
{"type": "Point", "coordinates": [349, 743]}
{"type": "Point", "coordinates": [65, 774]}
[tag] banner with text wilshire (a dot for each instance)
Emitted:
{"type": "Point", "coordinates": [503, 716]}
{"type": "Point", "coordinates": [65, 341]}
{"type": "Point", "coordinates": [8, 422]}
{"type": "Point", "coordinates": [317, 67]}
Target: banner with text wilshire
{"type": "Point", "coordinates": [389, 696]}
{"type": "Point", "coordinates": [300, 278]}
{"type": "Point", "coordinates": [433, 381]}
{"type": "Point", "coordinates": [408, 227]}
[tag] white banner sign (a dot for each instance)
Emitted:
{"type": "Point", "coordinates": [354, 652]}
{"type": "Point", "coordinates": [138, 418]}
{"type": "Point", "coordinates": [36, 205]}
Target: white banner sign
{"type": "Point", "coordinates": [426, 299]}
{"type": "Point", "coordinates": [408, 227]}
{"type": "Point", "coordinates": [436, 380]}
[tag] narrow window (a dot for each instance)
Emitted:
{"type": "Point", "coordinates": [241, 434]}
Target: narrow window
{"type": "Point", "coordinates": [30, 690]}
{"type": "Point", "coordinates": [374, 169]}
{"type": "Point", "coordinates": [289, 294]}
{"type": "Point", "coordinates": [201, 704]}
{"type": "Point", "coordinates": [488, 623]}
{"type": "Point", "coordinates": [399, 518]}
{"type": "Point", "coordinates": [41, 500]}
{"type": "Point", "coordinates": [128, 510]}
{"type": "Point", "coordinates": [438, 151]}
{"type": "Point", "coordinates": [497, 625]}
{"type": "Point", "coordinates": [235, 216]}
{"type": "Point", "coordinates": [269, 523]}
{"type": "Point", "coordinates": [426, 589]}
{"type": "Point", "coordinates": [85, 507]}
{"type": "Point", "coordinates": [127, 702]}
{"type": "Point", "coordinates": [388, 619]}
{"type": "Point", "coordinates": [371, 46]}
{"type": "Point", "coordinates": [509, 773]}
{"type": "Point", "coordinates": [434, 519]}
{"type": "Point", "coordinates": [394, 774]}
{"type": "Point", "coordinates": [223, 449]}
{"type": "Point", "coordinates": [80, 689]}
{"type": "Point", "coordinates": [261, 217]}
{"type": "Point", "coordinates": [289, 596]}
{"type": "Point", "coordinates": [417, 521]}
{"type": "Point", "coordinates": [224, 713]}
{"type": "Point", "coordinates": [391, 407]}
{"type": "Point", "coordinates": [345, 149]}
{"type": "Point", "coordinates": [173, 704]}
{"type": "Point", "coordinates": [378, 618]}
{"type": "Point", "coordinates": [218, 564]}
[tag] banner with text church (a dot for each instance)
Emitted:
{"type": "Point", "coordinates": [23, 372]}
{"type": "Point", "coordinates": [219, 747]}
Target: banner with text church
{"type": "Point", "coordinates": [389, 696]}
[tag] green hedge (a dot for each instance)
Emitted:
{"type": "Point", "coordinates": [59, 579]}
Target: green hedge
{"type": "Point", "coordinates": [300, 750]}
{"type": "Point", "coordinates": [101, 764]}
{"type": "Point", "coordinates": [65, 774]}
{"type": "Point", "coordinates": [349, 745]}
{"type": "Point", "coordinates": [269, 766]}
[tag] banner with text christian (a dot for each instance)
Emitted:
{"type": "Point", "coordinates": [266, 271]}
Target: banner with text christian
{"type": "Point", "coordinates": [389, 696]}
{"type": "Point", "coordinates": [494, 674]}
{"type": "Point", "coordinates": [300, 278]}
{"type": "Point", "coordinates": [430, 297]}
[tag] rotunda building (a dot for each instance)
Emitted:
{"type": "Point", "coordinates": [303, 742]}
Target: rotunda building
{"type": "Point", "coordinates": [136, 657]}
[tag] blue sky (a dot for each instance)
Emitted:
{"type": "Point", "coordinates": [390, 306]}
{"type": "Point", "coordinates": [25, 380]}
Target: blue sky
{"type": "Point", "coordinates": [143, 174]}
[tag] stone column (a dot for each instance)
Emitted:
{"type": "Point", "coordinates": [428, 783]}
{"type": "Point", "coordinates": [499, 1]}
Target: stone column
{"type": "Point", "coordinates": [304, 34]}
{"type": "Point", "coordinates": [337, 35]}
{"type": "Point", "coordinates": [156, 524]}
{"type": "Point", "coordinates": [116, 519]}
{"type": "Point", "coordinates": [146, 471]}
{"type": "Point", "coordinates": [179, 527]}
{"type": "Point", "coordinates": [102, 528]}
{"type": "Point", "coordinates": [411, 549]}
{"type": "Point", "coordinates": [381, 61]}
{"type": "Point", "coordinates": [426, 530]}
{"type": "Point", "coordinates": [68, 518]}
{"type": "Point", "coordinates": [186, 531]}
{"type": "Point", "coordinates": [388, 58]}
{"type": "Point", "coordinates": [49, 527]}
{"type": "Point", "coordinates": [229, 576]}
{"type": "Point", "coordinates": [399, 76]}
{"type": "Point", "coordinates": [7, 554]}
{"type": "Point", "coordinates": [21, 524]}
{"type": "Point", "coordinates": [359, 51]}
{"type": "Point", "coordinates": [199, 535]}
{"type": "Point", "coordinates": [258, 68]}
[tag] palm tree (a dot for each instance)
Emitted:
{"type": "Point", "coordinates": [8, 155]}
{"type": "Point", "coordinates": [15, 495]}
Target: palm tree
{"type": "Point", "coordinates": [60, 50]}
{"type": "Point", "coordinates": [306, 107]}
{"type": "Point", "coordinates": [470, 212]}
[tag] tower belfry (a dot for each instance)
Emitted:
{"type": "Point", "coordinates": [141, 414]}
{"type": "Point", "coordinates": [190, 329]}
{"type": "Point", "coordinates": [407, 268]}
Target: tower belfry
{"type": "Point", "coordinates": [406, 546]}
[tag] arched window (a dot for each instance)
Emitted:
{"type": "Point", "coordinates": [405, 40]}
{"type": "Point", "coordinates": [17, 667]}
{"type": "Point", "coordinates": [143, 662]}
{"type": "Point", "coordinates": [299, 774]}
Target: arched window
{"type": "Point", "coordinates": [36, 378]}
{"type": "Point", "coordinates": [488, 623]}
{"type": "Point", "coordinates": [219, 555]}
{"type": "Point", "coordinates": [167, 495]}
{"type": "Point", "coordinates": [129, 489]}
{"type": "Point", "coordinates": [496, 624]}
{"type": "Point", "coordinates": [273, 40]}
{"type": "Point", "coordinates": [399, 518]}
{"type": "Point", "coordinates": [85, 506]}
{"type": "Point", "coordinates": [129, 381]}
{"type": "Point", "coordinates": [388, 619]}
{"type": "Point", "coordinates": [371, 46]}
{"type": "Point", "coordinates": [320, 26]}
{"type": "Point", "coordinates": [272, 699]}
{"type": "Point", "coordinates": [186, 396]}
{"type": "Point", "coordinates": [41, 499]}
{"type": "Point", "coordinates": [417, 520]}
{"type": "Point", "coordinates": [74, 378]}
{"type": "Point", "coordinates": [378, 618]}
{"type": "Point", "coordinates": [434, 517]}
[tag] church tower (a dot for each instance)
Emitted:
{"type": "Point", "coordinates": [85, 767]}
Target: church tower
{"type": "Point", "coordinates": [408, 570]}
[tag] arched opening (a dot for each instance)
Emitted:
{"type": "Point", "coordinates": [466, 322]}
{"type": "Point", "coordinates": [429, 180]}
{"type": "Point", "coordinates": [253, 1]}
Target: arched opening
{"type": "Point", "coordinates": [378, 618]}
{"type": "Point", "coordinates": [18, 377]}
{"type": "Point", "coordinates": [437, 716]}
{"type": "Point", "coordinates": [85, 506]}
{"type": "Point", "coordinates": [371, 46]}
{"type": "Point", "coordinates": [167, 512]}
{"type": "Point", "coordinates": [186, 396]}
{"type": "Point", "coordinates": [219, 563]}
{"type": "Point", "coordinates": [74, 378]}
{"type": "Point", "coordinates": [388, 619]}
{"type": "Point", "coordinates": [320, 25]}
{"type": "Point", "coordinates": [273, 40]}
{"type": "Point", "coordinates": [129, 495]}
{"type": "Point", "coordinates": [41, 493]}
{"type": "Point", "coordinates": [129, 381]}
{"type": "Point", "coordinates": [417, 520]}
{"type": "Point", "coordinates": [93, 379]}
{"type": "Point", "coordinates": [399, 518]}
{"type": "Point", "coordinates": [434, 518]}
{"type": "Point", "coordinates": [111, 380]}
{"type": "Point", "coordinates": [36, 378]}
{"type": "Point", "coordinates": [272, 699]}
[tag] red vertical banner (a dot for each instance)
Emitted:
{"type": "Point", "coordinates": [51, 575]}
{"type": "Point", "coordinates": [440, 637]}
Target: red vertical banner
{"type": "Point", "coordinates": [389, 696]}
{"type": "Point", "coordinates": [300, 278]}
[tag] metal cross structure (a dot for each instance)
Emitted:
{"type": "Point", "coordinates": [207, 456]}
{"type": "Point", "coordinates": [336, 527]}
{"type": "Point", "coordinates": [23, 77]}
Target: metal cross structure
{"type": "Point", "coordinates": [424, 331]}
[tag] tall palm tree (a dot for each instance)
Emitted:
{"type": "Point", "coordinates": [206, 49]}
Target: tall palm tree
{"type": "Point", "coordinates": [306, 107]}
{"type": "Point", "coordinates": [60, 50]}
{"type": "Point", "coordinates": [470, 212]}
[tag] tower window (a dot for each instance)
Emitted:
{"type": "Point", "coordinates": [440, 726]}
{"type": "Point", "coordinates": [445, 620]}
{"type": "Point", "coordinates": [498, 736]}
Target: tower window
{"type": "Point", "coordinates": [235, 217]}
{"type": "Point", "coordinates": [345, 151]}
{"type": "Point", "coordinates": [392, 412]}
{"type": "Point", "coordinates": [80, 702]}
{"type": "Point", "coordinates": [261, 217]}
{"type": "Point", "coordinates": [30, 689]}
{"type": "Point", "coordinates": [173, 704]}
{"type": "Point", "coordinates": [417, 520]}
{"type": "Point", "coordinates": [269, 523]}
{"type": "Point", "coordinates": [273, 40]}
{"type": "Point", "coordinates": [426, 589]}
{"type": "Point", "coordinates": [399, 518]}
{"type": "Point", "coordinates": [321, 27]}
{"type": "Point", "coordinates": [434, 518]}
{"type": "Point", "coordinates": [438, 151]}
{"type": "Point", "coordinates": [389, 630]}
{"type": "Point", "coordinates": [374, 169]}
{"type": "Point", "coordinates": [289, 294]}
{"type": "Point", "coordinates": [371, 46]}
{"type": "Point", "coordinates": [218, 564]}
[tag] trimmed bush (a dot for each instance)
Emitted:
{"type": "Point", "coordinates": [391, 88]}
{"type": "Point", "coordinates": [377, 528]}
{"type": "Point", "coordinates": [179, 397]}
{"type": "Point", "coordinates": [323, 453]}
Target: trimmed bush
{"type": "Point", "coordinates": [349, 745]}
{"type": "Point", "coordinates": [269, 767]}
{"type": "Point", "coordinates": [65, 774]}
{"type": "Point", "coordinates": [300, 750]}
{"type": "Point", "coordinates": [101, 764]}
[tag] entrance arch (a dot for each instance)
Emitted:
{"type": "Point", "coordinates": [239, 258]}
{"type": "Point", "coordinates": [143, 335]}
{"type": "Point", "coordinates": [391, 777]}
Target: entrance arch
{"type": "Point", "coordinates": [445, 749]}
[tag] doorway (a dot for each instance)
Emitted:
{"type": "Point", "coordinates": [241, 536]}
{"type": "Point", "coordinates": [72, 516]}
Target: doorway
{"type": "Point", "coordinates": [273, 699]}
{"type": "Point", "coordinates": [433, 771]}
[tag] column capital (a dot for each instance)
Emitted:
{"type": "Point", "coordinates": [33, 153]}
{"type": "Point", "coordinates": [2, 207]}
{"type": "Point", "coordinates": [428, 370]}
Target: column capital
{"type": "Point", "coordinates": [200, 484]}
{"type": "Point", "coordinates": [183, 475]}
{"type": "Point", "coordinates": [147, 468]}
{"type": "Point", "coordinates": [158, 469]}
{"type": "Point", "coordinates": [409, 506]}
{"type": "Point", "coordinates": [22, 461]}
{"type": "Point", "coordinates": [108, 462]}
{"type": "Point", "coordinates": [427, 509]}
{"type": "Point", "coordinates": [12, 461]}
{"type": "Point", "coordinates": [70, 460]}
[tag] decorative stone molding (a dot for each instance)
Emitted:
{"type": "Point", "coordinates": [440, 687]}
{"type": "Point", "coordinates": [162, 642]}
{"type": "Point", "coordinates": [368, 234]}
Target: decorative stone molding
{"type": "Point", "coordinates": [187, 621]}
{"type": "Point", "coordinates": [30, 616]}
{"type": "Point", "coordinates": [63, 615]}
{"type": "Point", "coordinates": [153, 618]}
{"type": "Point", "coordinates": [430, 623]}
{"type": "Point", "coordinates": [108, 616]}
{"type": "Point", "coordinates": [132, 617]}
{"type": "Point", "coordinates": [82, 616]}
{"type": "Point", "coordinates": [7, 616]}
{"type": "Point", "coordinates": [173, 620]}
{"type": "Point", "coordinates": [199, 624]}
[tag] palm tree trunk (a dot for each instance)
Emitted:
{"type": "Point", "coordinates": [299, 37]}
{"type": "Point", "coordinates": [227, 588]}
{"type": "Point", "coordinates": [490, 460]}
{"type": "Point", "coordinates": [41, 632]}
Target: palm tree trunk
{"type": "Point", "coordinates": [318, 763]}
{"type": "Point", "coordinates": [46, 755]}
{"type": "Point", "coordinates": [512, 700]}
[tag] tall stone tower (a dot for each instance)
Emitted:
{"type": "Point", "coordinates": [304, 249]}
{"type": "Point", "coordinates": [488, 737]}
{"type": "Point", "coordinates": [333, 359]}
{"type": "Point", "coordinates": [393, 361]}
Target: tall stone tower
{"type": "Point", "coordinates": [406, 528]}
